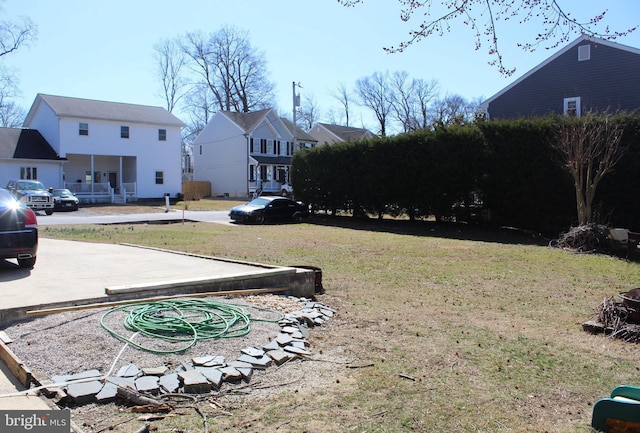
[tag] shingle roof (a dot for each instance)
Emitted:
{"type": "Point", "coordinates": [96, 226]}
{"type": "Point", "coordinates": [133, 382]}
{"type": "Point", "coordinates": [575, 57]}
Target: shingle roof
{"type": "Point", "coordinates": [300, 134]}
{"type": "Point", "coordinates": [246, 121]}
{"type": "Point", "coordinates": [64, 106]}
{"type": "Point", "coordinates": [25, 144]}
{"type": "Point", "coordinates": [347, 133]}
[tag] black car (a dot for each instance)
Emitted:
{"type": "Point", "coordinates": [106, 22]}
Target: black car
{"type": "Point", "coordinates": [18, 231]}
{"type": "Point", "coordinates": [263, 209]}
{"type": "Point", "coordinates": [64, 199]}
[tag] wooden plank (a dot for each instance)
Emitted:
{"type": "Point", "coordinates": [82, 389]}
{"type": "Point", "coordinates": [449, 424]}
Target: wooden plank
{"type": "Point", "coordinates": [154, 299]}
{"type": "Point", "coordinates": [4, 337]}
{"type": "Point", "coordinates": [17, 367]}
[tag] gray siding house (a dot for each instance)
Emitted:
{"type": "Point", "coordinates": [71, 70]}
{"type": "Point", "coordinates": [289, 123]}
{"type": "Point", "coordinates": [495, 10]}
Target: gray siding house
{"type": "Point", "coordinates": [587, 75]}
{"type": "Point", "coordinates": [325, 133]}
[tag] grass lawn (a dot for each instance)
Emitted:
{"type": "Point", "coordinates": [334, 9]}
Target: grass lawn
{"type": "Point", "coordinates": [457, 329]}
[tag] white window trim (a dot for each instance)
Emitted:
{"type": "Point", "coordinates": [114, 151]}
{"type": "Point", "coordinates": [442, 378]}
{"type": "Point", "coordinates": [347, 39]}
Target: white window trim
{"type": "Point", "coordinates": [575, 99]}
{"type": "Point", "coordinates": [584, 52]}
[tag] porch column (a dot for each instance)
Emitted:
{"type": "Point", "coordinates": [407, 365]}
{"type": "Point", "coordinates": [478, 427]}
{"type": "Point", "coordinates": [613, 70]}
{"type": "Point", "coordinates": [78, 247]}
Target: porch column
{"type": "Point", "coordinates": [120, 175]}
{"type": "Point", "coordinates": [93, 180]}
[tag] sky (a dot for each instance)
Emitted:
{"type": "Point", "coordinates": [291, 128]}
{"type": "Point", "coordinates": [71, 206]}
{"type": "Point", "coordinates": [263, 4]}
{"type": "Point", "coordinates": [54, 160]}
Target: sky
{"type": "Point", "coordinates": [104, 49]}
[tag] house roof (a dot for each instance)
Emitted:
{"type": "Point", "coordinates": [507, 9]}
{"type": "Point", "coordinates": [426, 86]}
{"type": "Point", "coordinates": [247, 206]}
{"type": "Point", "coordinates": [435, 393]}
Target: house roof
{"type": "Point", "coordinates": [573, 44]}
{"type": "Point", "coordinates": [17, 143]}
{"type": "Point", "coordinates": [300, 134]}
{"type": "Point", "coordinates": [246, 121]}
{"type": "Point", "coordinates": [64, 106]}
{"type": "Point", "coordinates": [347, 133]}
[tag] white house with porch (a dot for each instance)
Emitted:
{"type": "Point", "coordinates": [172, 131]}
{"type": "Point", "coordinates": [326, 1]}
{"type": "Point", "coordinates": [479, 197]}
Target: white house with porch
{"type": "Point", "coordinates": [114, 152]}
{"type": "Point", "coordinates": [244, 154]}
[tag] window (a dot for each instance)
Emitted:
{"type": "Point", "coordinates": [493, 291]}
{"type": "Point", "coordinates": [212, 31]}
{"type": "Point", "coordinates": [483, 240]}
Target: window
{"type": "Point", "coordinates": [584, 52]}
{"type": "Point", "coordinates": [572, 106]}
{"type": "Point", "coordinates": [162, 135]}
{"type": "Point", "coordinates": [124, 132]}
{"type": "Point", "coordinates": [28, 172]}
{"type": "Point", "coordinates": [83, 129]}
{"type": "Point", "coordinates": [159, 177]}
{"type": "Point", "coordinates": [252, 172]}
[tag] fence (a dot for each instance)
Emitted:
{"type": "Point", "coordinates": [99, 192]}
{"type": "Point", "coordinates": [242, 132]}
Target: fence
{"type": "Point", "coordinates": [194, 190]}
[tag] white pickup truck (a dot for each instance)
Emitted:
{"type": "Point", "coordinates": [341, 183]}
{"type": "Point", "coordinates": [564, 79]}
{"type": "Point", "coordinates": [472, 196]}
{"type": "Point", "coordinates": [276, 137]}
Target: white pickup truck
{"type": "Point", "coordinates": [33, 194]}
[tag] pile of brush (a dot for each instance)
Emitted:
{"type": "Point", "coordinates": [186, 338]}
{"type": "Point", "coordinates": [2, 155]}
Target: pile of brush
{"type": "Point", "coordinates": [586, 238]}
{"type": "Point", "coordinates": [616, 319]}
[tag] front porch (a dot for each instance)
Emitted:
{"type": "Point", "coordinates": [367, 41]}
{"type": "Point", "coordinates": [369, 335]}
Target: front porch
{"type": "Point", "coordinates": [102, 178]}
{"type": "Point", "coordinates": [103, 192]}
{"type": "Point", "coordinates": [269, 187]}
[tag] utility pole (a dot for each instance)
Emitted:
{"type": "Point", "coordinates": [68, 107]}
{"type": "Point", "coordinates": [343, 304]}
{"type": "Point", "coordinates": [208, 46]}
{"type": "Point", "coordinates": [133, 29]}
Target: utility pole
{"type": "Point", "coordinates": [296, 103]}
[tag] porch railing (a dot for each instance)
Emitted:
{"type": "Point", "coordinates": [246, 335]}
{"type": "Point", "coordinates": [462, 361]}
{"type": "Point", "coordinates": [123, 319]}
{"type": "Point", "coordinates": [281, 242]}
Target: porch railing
{"type": "Point", "coordinates": [102, 192]}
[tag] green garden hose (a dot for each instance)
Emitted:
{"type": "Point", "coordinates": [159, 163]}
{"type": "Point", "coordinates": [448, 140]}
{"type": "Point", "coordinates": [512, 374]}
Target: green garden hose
{"type": "Point", "coordinates": [185, 321]}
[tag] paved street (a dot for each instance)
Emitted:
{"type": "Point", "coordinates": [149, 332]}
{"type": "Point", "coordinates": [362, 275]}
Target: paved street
{"type": "Point", "coordinates": [87, 217]}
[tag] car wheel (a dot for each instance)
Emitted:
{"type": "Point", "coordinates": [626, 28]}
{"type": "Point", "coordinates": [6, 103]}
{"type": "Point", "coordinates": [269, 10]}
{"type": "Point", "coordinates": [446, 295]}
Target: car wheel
{"type": "Point", "coordinates": [259, 219]}
{"type": "Point", "coordinates": [297, 217]}
{"type": "Point", "coordinates": [48, 211]}
{"type": "Point", "coordinates": [27, 263]}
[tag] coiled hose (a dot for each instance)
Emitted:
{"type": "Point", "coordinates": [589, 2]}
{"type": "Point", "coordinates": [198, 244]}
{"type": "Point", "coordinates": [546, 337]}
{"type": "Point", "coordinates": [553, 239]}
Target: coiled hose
{"type": "Point", "coordinates": [182, 320]}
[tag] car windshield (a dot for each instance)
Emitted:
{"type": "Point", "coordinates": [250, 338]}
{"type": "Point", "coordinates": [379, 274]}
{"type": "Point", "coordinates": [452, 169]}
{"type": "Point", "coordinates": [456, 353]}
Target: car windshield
{"type": "Point", "coordinates": [61, 192]}
{"type": "Point", "coordinates": [35, 186]}
{"type": "Point", "coordinates": [259, 202]}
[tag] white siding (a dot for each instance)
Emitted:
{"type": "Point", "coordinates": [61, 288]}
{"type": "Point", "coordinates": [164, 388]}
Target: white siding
{"type": "Point", "coordinates": [220, 157]}
{"type": "Point", "coordinates": [48, 171]}
{"type": "Point", "coordinates": [140, 156]}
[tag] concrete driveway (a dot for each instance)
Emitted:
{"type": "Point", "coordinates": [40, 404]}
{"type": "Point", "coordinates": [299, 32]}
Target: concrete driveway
{"type": "Point", "coordinates": [71, 274]}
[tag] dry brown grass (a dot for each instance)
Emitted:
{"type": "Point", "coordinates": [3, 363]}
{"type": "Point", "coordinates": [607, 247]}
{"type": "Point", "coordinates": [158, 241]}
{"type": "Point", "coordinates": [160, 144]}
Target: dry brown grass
{"type": "Point", "coordinates": [458, 329]}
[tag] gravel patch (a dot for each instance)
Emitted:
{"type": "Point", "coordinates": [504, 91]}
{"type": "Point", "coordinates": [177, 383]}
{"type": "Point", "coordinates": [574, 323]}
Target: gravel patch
{"type": "Point", "coordinates": [72, 342]}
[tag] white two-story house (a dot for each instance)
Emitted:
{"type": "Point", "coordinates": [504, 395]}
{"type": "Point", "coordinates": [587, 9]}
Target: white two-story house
{"type": "Point", "coordinates": [112, 151]}
{"type": "Point", "coordinates": [244, 154]}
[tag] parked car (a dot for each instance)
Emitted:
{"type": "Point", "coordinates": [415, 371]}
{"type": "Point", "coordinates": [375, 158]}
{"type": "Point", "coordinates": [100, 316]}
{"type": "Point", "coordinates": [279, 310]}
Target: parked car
{"type": "Point", "coordinates": [262, 209]}
{"type": "Point", "coordinates": [33, 194]}
{"type": "Point", "coordinates": [18, 231]}
{"type": "Point", "coordinates": [64, 199]}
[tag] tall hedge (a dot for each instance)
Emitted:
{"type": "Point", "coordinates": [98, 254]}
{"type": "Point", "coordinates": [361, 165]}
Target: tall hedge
{"type": "Point", "coordinates": [510, 165]}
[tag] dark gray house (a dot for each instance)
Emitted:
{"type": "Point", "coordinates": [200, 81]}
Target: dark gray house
{"type": "Point", "coordinates": [587, 75]}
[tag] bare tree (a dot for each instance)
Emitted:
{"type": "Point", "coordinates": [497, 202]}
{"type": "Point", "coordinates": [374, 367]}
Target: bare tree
{"type": "Point", "coordinates": [483, 16]}
{"type": "Point", "coordinates": [13, 35]}
{"type": "Point", "coordinates": [11, 115]}
{"type": "Point", "coordinates": [425, 92]}
{"type": "Point", "coordinates": [233, 71]}
{"type": "Point", "coordinates": [375, 92]}
{"type": "Point", "coordinates": [453, 109]}
{"type": "Point", "coordinates": [590, 148]}
{"type": "Point", "coordinates": [309, 112]}
{"type": "Point", "coordinates": [343, 96]}
{"type": "Point", "coordinates": [403, 99]}
{"type": "Point", "coordinates": [170, 61]}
